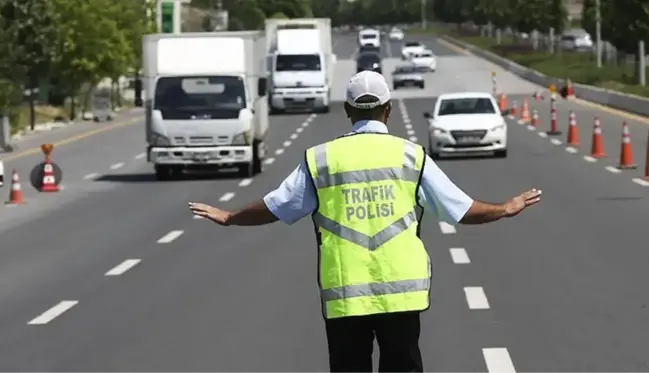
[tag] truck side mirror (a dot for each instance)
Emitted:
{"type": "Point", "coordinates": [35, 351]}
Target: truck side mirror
{"type": "Point", "coordinates": [262, 86]}
{"type": "Point", "coordinates": [427, 115]}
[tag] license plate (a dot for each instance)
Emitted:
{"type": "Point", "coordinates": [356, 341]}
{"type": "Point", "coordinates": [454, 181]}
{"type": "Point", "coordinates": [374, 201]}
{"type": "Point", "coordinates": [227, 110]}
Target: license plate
{"type": "Point", "coordinates": [468, 140]}
{"type": "Point", "coordinates": [201, 157]}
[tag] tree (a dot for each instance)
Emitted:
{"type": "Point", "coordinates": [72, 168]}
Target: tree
{"type": "Point", "coordinates": [533, 15]}
{"type": "Point", "coordinates": [558, 16]}
{"type": "Point", "coordinates": [588, 13]}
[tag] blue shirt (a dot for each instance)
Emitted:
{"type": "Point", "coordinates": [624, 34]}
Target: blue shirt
{"type": "Point", "coordinates": [296, 197]}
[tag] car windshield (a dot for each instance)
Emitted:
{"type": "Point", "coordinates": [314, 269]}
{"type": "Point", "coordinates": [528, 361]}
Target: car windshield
{"type": "Point", "coordinates": [298, 62]}
{"type": "Point", "coordinates": [405, 70]}
{"type": "Point", "coordinates": [466, 106]}
{"type": "Point", "coordinates": [365, 59]}
{"type": "Point", "coordinates": [412, 44]}
{"type": "Point", "coordinates": [368, 36]}
{"type": "Point", "coordinates": [425, 54]}
{"type": "Point", "coordinates": [205, 97]}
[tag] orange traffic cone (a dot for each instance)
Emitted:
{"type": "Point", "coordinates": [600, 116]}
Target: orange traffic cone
{"type": "Point", "coordinates": [16, 193]}
{"type": "Point", "coordinates": [535, 118]}
{"type": "Point", "coordinates": [49, 181]}
{"type": "Point", "coordinates": [573, 131]}
{"type": "Point", "coordinates": [626, 153]}
{"type": "Point", "coordinates": [597, 147]}
{"type": "Point", "coordinates": [538, 96]}
{"type": "Point", "coordinates": [502, 102]}
{"type": "Point", "coordinates": [570, 91]}
{"type": "Point", "coordinates": [514, 111]}
{"type": "Point", "coordinates": [525, 112]}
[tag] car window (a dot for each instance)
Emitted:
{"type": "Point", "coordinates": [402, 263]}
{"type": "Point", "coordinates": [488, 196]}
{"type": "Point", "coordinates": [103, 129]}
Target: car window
{"type": "Point", "coordinates": [466, 106]}
{"type": "Point", "coordinates": [412, 44]}
{"type": "Point", "coordinates": [369, 58]}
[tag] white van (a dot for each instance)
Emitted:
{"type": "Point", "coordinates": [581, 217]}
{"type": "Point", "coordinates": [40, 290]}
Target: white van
{"type": "Point", "coordinates": [369, 37]}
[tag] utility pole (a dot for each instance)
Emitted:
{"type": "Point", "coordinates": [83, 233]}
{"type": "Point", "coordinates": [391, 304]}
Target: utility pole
{"type": "Point", "coordinates": [598, 33]}
{"type": "Point", "coordinates": [423, 14]}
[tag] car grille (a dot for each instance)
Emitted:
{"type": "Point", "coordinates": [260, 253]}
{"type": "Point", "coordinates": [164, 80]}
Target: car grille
{"type": "Point", "coordinates": [461, 134]}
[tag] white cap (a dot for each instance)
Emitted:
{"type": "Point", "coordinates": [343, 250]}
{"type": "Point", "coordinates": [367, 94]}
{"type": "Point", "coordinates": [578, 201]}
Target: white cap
{"type": "Point", "coordinates": [367, 83]}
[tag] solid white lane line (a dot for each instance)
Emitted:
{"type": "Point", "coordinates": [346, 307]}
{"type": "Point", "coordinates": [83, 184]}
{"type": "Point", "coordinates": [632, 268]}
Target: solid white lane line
{"type": "Point", "coordinates": [117, 165]}
{"type": "Point", "coordinates": [53, 312]}
{"type": "Point", "coordinates": [279, 151]}
{"type": "Point", "coordinates": [294, 136]}
{"type": "Point", "coordinates": [498, 360]}
{"type": "Point", "coordinates": [641, 182]}
{"type": "Point", "coordinates": [447, 228]}
{"type": "Point", "coordinates": [123, 267]}
{"type": "Point", "coordinates": [590, 159]}
{"type": "Point", "coordinates": [287, 144]}
{"type": "Point", "coordinates": [140, 156]}
{"type": "Point", "coordinates": [226, 197]}
{"type": "Point", "coordinates": [612, 169]}
{"type": "Point", "coordinates": [170, 237]}
{"type": "Point", "coordinates": [476, 298]}
{"type": "Point", "coordinates": [91, 176]}
{"type": "Point", "coordinates": [269, 160]}
{"type": "Point", "coordinates": [245, 182]}
{"type": "Point", "coordinates": [459, 255]}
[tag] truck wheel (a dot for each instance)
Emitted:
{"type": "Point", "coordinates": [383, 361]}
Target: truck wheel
{"type": "Point", "coordinates": [257, 163]}
{"type": "Point", "coordinates": [247, 169]}
{"type": "Point", "coordinates": [324, 110]}
{"type": "Point", "coordinates": [163, 173]}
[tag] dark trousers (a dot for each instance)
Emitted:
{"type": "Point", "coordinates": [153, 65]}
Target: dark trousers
{"type": "Point", "coordinates": [351, 341]}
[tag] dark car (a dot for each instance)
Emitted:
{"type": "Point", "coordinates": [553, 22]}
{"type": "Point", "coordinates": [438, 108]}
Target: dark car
{"type": "Point", "coordinates": [368, 61]}
{"type": "Point", "coordinates": [369, 48]}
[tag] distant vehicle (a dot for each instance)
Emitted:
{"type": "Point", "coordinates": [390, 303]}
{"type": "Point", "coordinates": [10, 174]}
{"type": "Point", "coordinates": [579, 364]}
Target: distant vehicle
{"type": "Point", "coordinates": [369, 61]}
{"type": "Point", "coordinates": [369, 36]}
{"type": "Point", "coordinates": [396, 34]}
{"type": "Point", "coordinates": [409, 75]}
{"type": "Point", "coordinates": [410, 48]}
{"type": "Point", "coordinates": [467, 122]}
{"type": "Point", "coordinates": [576, 40]}
{"type": "Point", "coordinates": [425, 59]}
{"type": "Point", "coordinates": [2, 174]}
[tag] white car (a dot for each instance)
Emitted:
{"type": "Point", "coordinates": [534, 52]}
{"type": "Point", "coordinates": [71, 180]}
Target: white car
{"type": "Point", "coordinates": [2, 173]}
{"type": "Point", "coordinates": [468, 122]}
{"type": "Point", "coordinates": [411, 48]}
{"type": "Point", "coordinates": [396, 34]}
{"type": "Point", "coordinates": [424, 59]}
{"type": "Point", "coordinates": [369, 37]}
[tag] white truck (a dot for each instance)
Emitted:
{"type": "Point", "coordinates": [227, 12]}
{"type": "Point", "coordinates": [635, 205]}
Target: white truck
{"type": "Point", "coordinates": [301, 64]}
{"type": "Point", "coordinates": [205, 101]}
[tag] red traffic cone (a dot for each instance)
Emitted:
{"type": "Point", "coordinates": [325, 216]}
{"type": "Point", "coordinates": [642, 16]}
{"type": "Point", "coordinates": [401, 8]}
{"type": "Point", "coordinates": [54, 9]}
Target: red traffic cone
{"type": "Point", "coordinates": [597, 147]}
{"type": "Point", "coordinates": [535, 118]}
{"type": "Point", "coordinates": [554, 130]}
{"type": "Point", "coordinates": [573, 131]}
{"type": "Point", "coordinates": [16, 193]}
{"type": "Point", "coordinates": [49, 181]}
{"type": "Point", "coordinates": [626, 153]}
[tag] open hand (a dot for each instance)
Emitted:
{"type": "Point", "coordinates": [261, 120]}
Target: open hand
{"type": "Point", "coordinates": [517, 204]}
{"type": "Point", "coordinates": [214, 214]}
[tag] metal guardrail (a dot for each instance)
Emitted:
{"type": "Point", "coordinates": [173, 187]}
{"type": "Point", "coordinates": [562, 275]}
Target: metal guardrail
{"type": "Point", "coordinates": [622, 101]}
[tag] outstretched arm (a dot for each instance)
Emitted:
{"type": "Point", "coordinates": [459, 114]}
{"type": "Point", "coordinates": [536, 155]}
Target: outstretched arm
{"type": "Point", "coordinates": [255, 213]}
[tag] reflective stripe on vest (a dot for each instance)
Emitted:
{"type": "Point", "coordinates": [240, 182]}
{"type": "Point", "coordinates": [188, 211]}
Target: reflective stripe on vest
{"type": "Point", "coordinates": [410, 282]}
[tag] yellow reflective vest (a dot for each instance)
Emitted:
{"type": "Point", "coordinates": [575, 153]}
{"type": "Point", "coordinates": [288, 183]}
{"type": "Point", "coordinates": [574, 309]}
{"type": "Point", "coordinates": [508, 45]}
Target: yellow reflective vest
{"type": "Point", "coordinates": [371, 259]}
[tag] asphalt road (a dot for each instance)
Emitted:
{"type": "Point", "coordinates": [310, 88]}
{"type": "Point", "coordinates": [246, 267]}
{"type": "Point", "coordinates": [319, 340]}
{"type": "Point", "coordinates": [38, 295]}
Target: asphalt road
{"type": "Point", "coordinates": [113, 274]}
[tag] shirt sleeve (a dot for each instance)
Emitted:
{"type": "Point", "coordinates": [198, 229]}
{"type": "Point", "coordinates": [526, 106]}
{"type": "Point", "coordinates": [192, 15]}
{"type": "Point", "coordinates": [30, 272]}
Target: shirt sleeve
{"type": "Point", "coordinates": [295, 197]}
{"type": "Point", "coordinates": [437, 192]}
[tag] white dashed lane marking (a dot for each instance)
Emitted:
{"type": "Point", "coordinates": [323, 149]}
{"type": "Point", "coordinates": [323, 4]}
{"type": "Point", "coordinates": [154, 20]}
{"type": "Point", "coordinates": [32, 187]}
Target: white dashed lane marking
{"type": "Point", "coordinates": [269, 160]}
{"type": "Point", "coordinates": [641, 182]}
{"type": "Point", "coordinates": [299, 130]}
{"type": "Point", "coordinates": [543, 134]}
{"type": "Point", "coordinates": [459, 255]}
{"type": "Point", "coordinates": [612, 169]}
{"type": "Point", "coordinates": [413, 138]}
{"type": "Point", "coordinates": [91, 176]}
{"type": "Point", "coordinates": [294, 136]}
{"type": "Point", "coordinates": [124, 266]}
{"type": "Point", "coordinates": [287, 144]}
{"type": "Point", "coordinates": [570, 149]}
{"type": "Point", "coordinates": [447, 228]}
{"type": "Point", "coordinates": [170, 237]}
{"type": "Point", "coordinates": [140, 156]}
{"type": "Point", "coordinates": [53, 312]}
{"type": "Point", "coordinates": [476, 298]}
{"type": "Point", "coordinates": [245, 182]}
{"type": "Point", "coordinates": [498, 360]}
{"type": "Point", "coordinates": [279, 151]}
{"type": "Point", "coordinates": [226, 197]}
{"type": "Point", "coordinates": [555, 141]}
{"type": "Point", "coordinates": [117, 165]}
{"type": "Point", "coordinates": [590, 159]}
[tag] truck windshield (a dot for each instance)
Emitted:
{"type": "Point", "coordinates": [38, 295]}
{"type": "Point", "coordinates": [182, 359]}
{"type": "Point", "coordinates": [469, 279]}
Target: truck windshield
{"type": "Point", "coordinates": [200, 97]}
{"type": "Point", "coordinates": [298, 62]}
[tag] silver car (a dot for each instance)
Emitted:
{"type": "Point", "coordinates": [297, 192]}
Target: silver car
{"type": "Point", "coordinates": [405, 76]}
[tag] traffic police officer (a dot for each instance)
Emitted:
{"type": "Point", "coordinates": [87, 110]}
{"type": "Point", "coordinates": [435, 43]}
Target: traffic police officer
{"type": "Point", "coordinates": [366, 191]}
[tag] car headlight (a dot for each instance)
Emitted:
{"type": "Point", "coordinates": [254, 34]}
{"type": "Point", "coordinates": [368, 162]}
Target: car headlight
{"type": "Point", "coordinates": [438, 131]}
{"type": "Point", "coordinates": [499, 127]}
{"type": "Point", "coordinates": [159, 140]}
{"type": "Point", "coordinates": [244, 138]}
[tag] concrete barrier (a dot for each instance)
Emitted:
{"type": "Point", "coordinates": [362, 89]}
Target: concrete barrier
{"type": "Point", "coordinates": [622, 101]}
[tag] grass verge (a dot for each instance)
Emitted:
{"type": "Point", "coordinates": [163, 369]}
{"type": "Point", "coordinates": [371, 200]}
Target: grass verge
{"type": "Point", "coordinates": [580, 67]}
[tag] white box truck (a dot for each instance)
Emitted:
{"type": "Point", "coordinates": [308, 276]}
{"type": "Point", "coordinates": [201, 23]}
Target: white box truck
{"type": "Point", "coordinates": [205, 101]}
{"type": "Point", "coordinates": [300, 63]}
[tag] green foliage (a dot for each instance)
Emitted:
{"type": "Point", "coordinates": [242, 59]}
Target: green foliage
{"type": "Point", "coordinates": [588, 16]}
